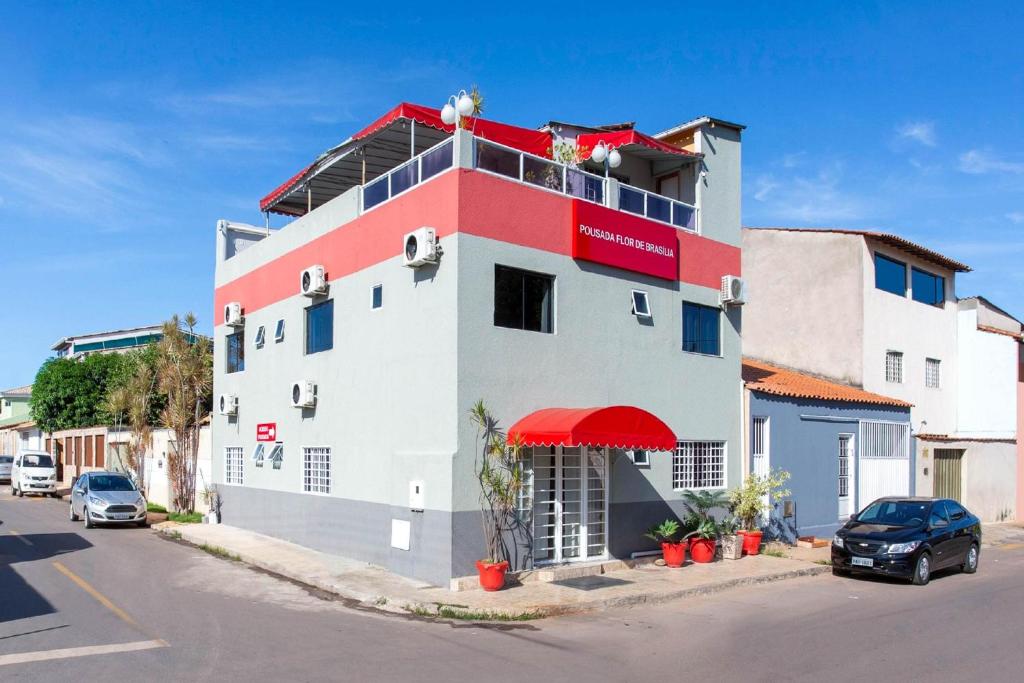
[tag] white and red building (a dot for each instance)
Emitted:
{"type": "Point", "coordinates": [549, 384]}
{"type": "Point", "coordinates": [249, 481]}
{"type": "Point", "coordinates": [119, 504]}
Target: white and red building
{"type": "Point", "coordinates": [343, 401]}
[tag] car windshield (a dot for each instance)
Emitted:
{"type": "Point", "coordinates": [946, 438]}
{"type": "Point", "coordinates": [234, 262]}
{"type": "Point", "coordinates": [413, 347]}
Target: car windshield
{"type": "Point", "coordinates": [110, 482]}
{"type": "Point", "coordinates": [38, 461]}
{"type": "Point", "coordinates": [905, 513]}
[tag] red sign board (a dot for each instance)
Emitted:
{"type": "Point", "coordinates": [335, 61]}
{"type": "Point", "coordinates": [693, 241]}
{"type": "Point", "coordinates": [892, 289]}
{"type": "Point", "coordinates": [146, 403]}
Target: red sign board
{"type": "Point", "coordinates": [266, 431]}
{"type": "Point", "coordinates": [623, 240]}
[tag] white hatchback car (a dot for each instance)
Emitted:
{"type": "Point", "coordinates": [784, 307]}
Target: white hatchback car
{"type": "Point", "coordinates": [34, 472]}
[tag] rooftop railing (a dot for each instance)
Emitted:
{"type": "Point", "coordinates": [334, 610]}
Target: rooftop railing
{"type": "Point", "coordinates": [413, 172]}
{"type": "Point", "coordinates": [657, 208]}
{"type": "Point", "coordinates": [534, 170]}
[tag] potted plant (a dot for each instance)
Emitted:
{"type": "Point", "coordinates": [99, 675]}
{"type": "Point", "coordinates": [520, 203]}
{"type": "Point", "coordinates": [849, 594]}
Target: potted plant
{"type": "Point", "coordinates": [704, 536]}
{"type": "Point", "coordinates": [732, 543]}
{"type": "Point", "coordinates": [673, 551]}
{"type": "Point", "coordinates": [501, 479]}
{"type": "Point", "coordinates": [756, 497]}
{"type": "Point", "coordinates": [703, 540]}
{"type": "Point", "coordinates": [212, 499]}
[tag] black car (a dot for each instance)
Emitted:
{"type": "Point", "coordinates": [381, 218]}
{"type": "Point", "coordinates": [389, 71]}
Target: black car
{"type": "Point", "coordinates": [908, 538]}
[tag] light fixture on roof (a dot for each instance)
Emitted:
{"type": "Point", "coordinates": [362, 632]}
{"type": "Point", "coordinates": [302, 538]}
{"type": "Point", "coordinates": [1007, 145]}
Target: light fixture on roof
{"type": "Point", "coordinates": [602, 153]}
{"type": "Point", "coordinates": [456, 106]}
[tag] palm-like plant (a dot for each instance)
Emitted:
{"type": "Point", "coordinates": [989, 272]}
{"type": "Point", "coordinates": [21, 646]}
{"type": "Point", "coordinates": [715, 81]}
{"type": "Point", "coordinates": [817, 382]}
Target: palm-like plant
{"type": "Point", "coordinates": [699, 505]}
{"type": "Point", "coordinates": [501, 481]}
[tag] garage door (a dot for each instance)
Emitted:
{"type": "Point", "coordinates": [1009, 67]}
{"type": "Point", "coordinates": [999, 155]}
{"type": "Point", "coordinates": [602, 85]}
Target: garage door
{"type": "Point", "coordinates": [947, 472]}
{"type": "Point", "coordinates": [884, 463]}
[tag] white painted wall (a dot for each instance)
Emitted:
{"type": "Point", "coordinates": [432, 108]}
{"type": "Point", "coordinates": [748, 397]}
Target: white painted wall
{"type": "Point", "coordinates": [987, 396]}
{"type": "Point", "coordinates": [157, 486]}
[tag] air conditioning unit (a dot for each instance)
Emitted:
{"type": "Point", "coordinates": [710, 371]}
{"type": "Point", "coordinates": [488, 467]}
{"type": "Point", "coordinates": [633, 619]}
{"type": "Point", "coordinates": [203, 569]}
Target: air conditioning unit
{"type": "Point", "coordinates": [233, 314]}
{"type": "Point", "coordinates": [734, 290]}
{"type": "Point", "coordinates": [303, 394]}
{"type": "Point", "coordinates": [228, 404]}
{"type": "Point", "coordinates": [420, 247]}
{"type": "Point", "coordinates": [313, 282]}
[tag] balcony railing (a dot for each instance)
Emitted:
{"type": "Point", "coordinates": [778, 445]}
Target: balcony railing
{"type": "Point", "coordinates": [658, 208]}
{"type": "Point", "coordinates": [527, 168]}
{"type": "Point", "coordinates": [413, 172]}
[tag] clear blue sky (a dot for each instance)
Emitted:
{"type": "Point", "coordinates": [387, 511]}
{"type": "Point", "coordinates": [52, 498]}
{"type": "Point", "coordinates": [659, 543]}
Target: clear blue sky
{"type": "Point", "coordinates": [128, 129]}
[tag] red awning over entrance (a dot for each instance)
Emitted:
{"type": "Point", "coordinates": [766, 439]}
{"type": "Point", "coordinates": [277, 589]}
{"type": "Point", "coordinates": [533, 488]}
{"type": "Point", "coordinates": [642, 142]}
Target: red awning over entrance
{"type": "Point", "coordinates": [612, 427]}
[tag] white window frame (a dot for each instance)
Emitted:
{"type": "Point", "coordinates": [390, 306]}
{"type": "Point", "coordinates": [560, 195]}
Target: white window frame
{"type": "Point", "coordinates": [640, 458]}
{"type": "Point", "coordinates": [261, 337]}
{"type": "Point", "coordinates": [894, 366]}
{"type": "Point", "coordinates": [679, 469]}
{"type": "Point", "coordinates": [317, 482]}
{"type": "Point", "coordinates": [641, 296]}
{"type": "Point", "coordinates": [259, 454]}
{"type": "Point", "coordinates": [279, 331]}
{"type": "Point", "coordinates": [234, 465]}
{"type": "Point", "coordinates": [933, 373]}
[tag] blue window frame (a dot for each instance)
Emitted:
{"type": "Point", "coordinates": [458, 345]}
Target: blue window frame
{"type": "Point", "coordinates": [890, 275]}
{"type": "Point", "coordinates": [702, 329]}
{"type": "Point", "coordinates": [927, 288]}
{"type": "Point", "coordinates": [320, 327]}
{"type": "Point", "coordinates": [235, 352]}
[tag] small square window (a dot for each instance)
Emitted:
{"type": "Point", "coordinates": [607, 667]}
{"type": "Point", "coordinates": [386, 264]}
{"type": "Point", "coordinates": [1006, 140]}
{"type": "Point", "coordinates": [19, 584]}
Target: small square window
{"type": "Point", "coordinates": [932, 373]}
{"type": "Point", "coordinates": [258, 455]}
{"type": "Point", "coordinates": [640, 458]}
{"type": "Point", "coordinates": [378, 296]}
{"type": "Point", "coordinates": [894, 367]}
{"type": "Point", "coordinates": [261, 336]}
{"type": "Point", "coordinates": [277, 455]}
{"type": "Point", "coordinates": [641, 306]}
{"type": "Point", "coordinates": [279, 331]}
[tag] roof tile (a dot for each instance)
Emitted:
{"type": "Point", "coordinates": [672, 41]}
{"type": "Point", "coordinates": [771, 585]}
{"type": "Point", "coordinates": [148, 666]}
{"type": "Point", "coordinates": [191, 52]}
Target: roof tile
{"type": "Point", "coordinates": [770, 379]}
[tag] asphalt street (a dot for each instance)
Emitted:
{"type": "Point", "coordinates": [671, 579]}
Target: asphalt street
{"type": "Point", "coordinates": [124, 604]}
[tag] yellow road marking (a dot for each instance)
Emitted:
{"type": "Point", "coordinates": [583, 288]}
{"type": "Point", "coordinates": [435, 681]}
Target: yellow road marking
{"type": "Point", "coordinates": [100, 598]}
{"type": "Point", "coordinates": [65, 653]}
{"type": "Point", "coordinates": [18, 536]}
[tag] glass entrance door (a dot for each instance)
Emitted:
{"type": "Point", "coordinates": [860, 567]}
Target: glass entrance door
{"type": "Point", "coordinates": [569, 503]}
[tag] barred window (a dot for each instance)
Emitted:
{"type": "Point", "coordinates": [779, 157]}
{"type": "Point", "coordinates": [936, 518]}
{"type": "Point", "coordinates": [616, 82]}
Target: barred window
{"type": "Point", "coordinates": [316, 469]}
{"type": "Point", "coordinates": [698, 465]}
{"type": "Point", "coordinates": [932, 368]}
{"type": "Point", "coordinates": [894, 367]}
{"type": "Point", "coordinates": [233, 470]}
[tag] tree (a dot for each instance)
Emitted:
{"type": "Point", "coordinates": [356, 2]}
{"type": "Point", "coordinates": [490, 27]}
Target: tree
{"type": "Point", "coordinates": [184, 374]}
{"type": "Point", "coordinates": [133, 401]}
{"type": "Point", "coordinates": [70, 393]}
{"type": "Point", "coordinates": [501, 480]}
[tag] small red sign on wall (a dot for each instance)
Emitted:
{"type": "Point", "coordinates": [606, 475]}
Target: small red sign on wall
{"type": "Point", "coordinates": [266, 431]}
{"type": "Point", "coordinates": [623, 240]}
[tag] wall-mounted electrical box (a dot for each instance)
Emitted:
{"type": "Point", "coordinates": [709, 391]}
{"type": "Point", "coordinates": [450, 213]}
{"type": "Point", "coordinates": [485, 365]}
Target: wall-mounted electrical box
{"type": "Point", "coordinates": [416, 497]}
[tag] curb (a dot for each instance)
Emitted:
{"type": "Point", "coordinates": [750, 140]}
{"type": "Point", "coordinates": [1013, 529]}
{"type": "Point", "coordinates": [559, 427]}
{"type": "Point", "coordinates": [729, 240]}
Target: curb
{"type": "Point", "coordinates": [386, 603]}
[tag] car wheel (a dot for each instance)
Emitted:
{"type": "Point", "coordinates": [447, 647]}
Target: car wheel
{"type": "Point", "coordinates": [923, 570]}
{"type": "Point", "coordinates": [21, 494]}
{"type": "Point", "coordinates": [88, 518]}
{"type": "Point", "coordinates": [71, 512]}
{"type": "Point", "coordinates": [970, 564]}
{"type": "Point", "coordinates": [142, 523]}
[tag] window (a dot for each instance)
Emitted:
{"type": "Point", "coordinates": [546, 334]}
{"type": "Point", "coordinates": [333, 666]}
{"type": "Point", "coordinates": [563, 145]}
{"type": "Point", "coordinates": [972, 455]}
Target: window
{"type": "Point", "coordinates": [641, 306]}
{"type": "Point", "coordinates": [890, 275]}
{"type": "Point", "coordinates": [927, 288]}
{"type": "Point", "coordinates": [701, 329]}
{"type": "Point", "coordinates": [932, 372]}
{"type": "Point", "coordinates": [894, 367]}
{"type": "Point", "coordinates": [233, 471]}
{"type": "Point", "coordinates": [279, 331]}
{"type": "Point", "coordinates": [320, 327]}
{"type": "Point", "coordinates": [258, 455]}
{"type": "Point", "coordinates": [955, 511]}
{"type": "Point", "coordinates": [316, 470]}
{"type": "Point", "coordinates": [261, 336]}
{"type": "Point", "coordinates": [938, 515]}
{"type": "Point", "coordinates": [759, 444]}
{"type": "Point", "coordinates": [698, 465]}
{"type": "Point", "coordinates": [277, 455]}
{"type": "Point", "coordinates": [236, 352]}
{"type": "Point", "coordinates": [640, 458]}
{"type": "Point", "coordinates": [378, 297]}
{"type": "Point", "coordinates": [523, 300]}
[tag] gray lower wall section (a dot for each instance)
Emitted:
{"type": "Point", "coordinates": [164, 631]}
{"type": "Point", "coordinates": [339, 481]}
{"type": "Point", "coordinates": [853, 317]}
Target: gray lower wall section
{"type": "Point", "coordinates": [351, 528]}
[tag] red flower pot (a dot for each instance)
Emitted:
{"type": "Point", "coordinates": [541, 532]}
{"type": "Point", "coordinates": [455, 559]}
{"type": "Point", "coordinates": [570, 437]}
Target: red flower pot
{"type": "Point", "coordinates": [751, 542]}
{"type": "Point", "coordinates": [674, 554]}
{"type": "Point", "coordinates": [702, 549]}
{"type": "Point", "coordinates": [492, 574]}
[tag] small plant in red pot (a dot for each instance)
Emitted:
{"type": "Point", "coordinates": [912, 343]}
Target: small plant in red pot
{"type": "Point", "coordinates": [757, 497]}
{"type": "Point", "coordinates": [704, 537]}
{"type": "Point", "coordinates": [673, 551]}
{"type": "Point", "coordinates": [703, 541]}
{"type": "Point", "coordinates": [501, 480]}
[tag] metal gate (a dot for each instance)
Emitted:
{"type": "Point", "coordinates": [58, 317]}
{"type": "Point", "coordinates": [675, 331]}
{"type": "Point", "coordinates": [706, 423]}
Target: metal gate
{"type": "Point", "coordinates": [884, 464]}
{"type": "Point", "coordinates": [947, 472]}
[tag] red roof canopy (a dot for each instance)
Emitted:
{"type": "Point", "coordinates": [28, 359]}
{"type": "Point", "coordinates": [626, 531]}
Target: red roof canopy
{"type": "Point", "coordinates": [526, 139]}
{"type": "Point", "coordinates": [613, 427]}
{"type": "Point", "coordinates": [627, 138]}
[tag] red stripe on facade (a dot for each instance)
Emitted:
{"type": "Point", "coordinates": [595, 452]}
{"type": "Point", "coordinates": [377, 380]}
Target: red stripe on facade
{"type": "Point", "coordinates": [466, 201]}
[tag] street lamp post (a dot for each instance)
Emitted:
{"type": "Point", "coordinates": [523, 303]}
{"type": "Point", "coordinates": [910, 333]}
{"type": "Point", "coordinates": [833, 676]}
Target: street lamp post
{"type": "Point", "coordinates": [609, 158]}
{"type": "Point", "coordinates": [457, 107]}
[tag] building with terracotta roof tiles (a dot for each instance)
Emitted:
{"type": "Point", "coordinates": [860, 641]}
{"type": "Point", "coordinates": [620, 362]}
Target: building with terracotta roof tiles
{"type": "Point", "coordinates": [843, 446]}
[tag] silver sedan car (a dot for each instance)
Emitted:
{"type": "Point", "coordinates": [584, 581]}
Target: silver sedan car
{"type": "Point", "coordinates": [6, 461]}
{"type": "Point", "coordinates": [107, 498]}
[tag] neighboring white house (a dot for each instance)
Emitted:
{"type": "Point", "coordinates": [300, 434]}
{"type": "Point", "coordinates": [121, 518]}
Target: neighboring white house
{"type": "Point", "coordinates": [869, 309]}
{"type": "Point", "coordinates": [157, 485]}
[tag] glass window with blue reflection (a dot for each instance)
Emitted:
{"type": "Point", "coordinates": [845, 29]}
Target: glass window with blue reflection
{"type": "Point", "coordinates": [701, 329]}
{"type": "Point", "coordinates": [890, 275]}
{"type": "Point", "coordinates": [320, 327]}
{"type": "Point", "coordinates": [927, 288]}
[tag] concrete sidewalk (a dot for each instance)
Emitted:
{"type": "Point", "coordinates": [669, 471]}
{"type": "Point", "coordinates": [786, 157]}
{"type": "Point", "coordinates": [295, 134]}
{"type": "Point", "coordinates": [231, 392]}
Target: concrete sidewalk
{"type": "Point", "coordinates": [372, 586]}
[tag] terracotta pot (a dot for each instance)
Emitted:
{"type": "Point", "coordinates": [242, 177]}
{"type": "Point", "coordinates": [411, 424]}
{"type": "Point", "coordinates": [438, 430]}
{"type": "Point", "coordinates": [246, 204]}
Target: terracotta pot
{"type": "Point", "coordinates": [492, 574]}
{"type": "Point", "coordinates": [752, 542]}
{"type": "Point", "coordinates": [674, 554]}
{"type": "Point", "coordinates": [702, 549]}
